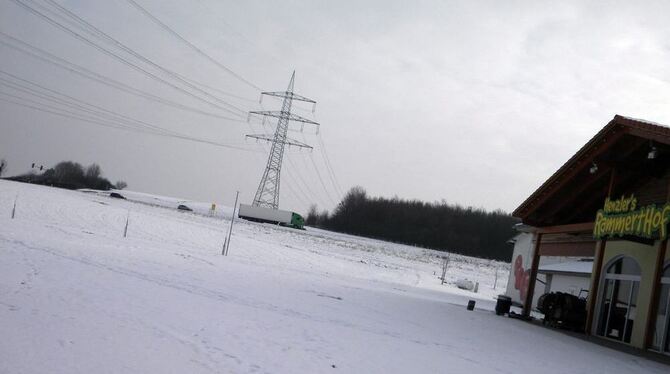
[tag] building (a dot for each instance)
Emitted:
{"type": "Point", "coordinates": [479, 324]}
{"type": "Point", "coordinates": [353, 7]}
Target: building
{"type": "Point", "coordinates": [573, 277]}
{"type": "Point", "coordinates": [555, 273]}
{"type": "Point", "coordinates": [612, 200]}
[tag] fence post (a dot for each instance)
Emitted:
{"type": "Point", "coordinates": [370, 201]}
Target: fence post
{"type": "Point", "coordinates": [125, 230]}
{"type": "Point", "coordinates": [230, 230]}
{"type": "Point", "coordinates": [444, 268]}
{"type": "Point", "coordinates": [14, 208]}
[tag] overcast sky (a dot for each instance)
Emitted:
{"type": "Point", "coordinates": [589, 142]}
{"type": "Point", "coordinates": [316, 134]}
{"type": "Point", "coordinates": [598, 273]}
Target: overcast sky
{"type": "Point", "coordinates": [473, 102]}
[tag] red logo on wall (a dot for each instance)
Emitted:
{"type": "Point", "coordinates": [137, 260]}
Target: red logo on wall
{"type": "Point", "coordinates": [521, 277]}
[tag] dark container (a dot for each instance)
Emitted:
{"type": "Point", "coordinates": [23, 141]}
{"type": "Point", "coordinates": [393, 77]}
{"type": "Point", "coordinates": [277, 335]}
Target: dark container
{"type": "Point", "coordinates": [471, 305]}
{"type": "Point", "coordinates": [503, 304]}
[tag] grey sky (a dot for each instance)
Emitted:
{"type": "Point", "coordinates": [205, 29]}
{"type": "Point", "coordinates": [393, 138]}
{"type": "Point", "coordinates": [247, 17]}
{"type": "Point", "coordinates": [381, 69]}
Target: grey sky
{"type": "Point", "coordinates": [473, 102]}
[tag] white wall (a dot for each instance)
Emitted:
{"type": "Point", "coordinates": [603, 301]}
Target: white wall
{"type": "Point", "coordinates": [524, 248]}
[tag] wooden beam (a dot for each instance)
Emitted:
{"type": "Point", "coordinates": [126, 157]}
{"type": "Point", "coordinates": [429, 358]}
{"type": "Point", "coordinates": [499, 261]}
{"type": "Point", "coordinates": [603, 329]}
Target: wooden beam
{"type": "Point", "coordinates": [610, 134]}
{"type": "Point", "coordinates": [612, 165]}
{"type": "Point", "coordinates": [595, 273]}
{"type": "Point", "coordinates": [590, 206]}
{"type": "Point", "coordinates": [617, 183]}
{"type": "Point", "coordinates": [655, 289]}
{"type": "Point", "coordinates": [595, 284]}
{"type": "Point", "coordinates": [610, 187]}
{"type": "Point", "coordinates": [528, 303]}
{"type": "Point", "coordinates": [567, 229]}
{"type": "Point", "coordinates": [569, 249]}
{"type": "Point", "coordinates": [649, 135]}
{"type": "Point", "coordinates": [607, 168]}
{"type": "Point", "coordinates": [567, 199]}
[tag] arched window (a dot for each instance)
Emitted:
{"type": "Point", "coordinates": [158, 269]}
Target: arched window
{"type": "Point", "coordinates": [661, 338]}
{"type": "Point", "coordinates": [618, 299]}
{"type": "Point", "coordinates": [624, 265]}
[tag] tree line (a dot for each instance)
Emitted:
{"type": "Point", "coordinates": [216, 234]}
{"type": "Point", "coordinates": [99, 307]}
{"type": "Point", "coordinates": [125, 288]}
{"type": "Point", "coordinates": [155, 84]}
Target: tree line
{"type": "Point", "coordinates": [70, 175]}
{"type": "Point", "coordinates": [439, 225]}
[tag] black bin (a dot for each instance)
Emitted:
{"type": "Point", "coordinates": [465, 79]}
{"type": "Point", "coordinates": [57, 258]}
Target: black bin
{"type": "Point", "coordinates": [503, 304]}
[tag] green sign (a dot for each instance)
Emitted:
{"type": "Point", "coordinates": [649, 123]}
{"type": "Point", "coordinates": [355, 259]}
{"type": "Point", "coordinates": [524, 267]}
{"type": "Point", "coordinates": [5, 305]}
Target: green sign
{"type": "Point", "coordinates": [620, 217]}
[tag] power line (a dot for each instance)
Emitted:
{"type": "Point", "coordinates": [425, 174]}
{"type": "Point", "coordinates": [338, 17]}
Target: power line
{"type": "Point", "coordinates": [33, 104]}
{"type": "Point", "coordinates": [63, 103]}
{"type": "Point", "coordinates": [100, 112]}
{"type": "Point", "coordinates": [318, 174]}
{"type": "Point", "coordinates": [243, 37]}
{"type": "Point", "coordinates": [109, 39]}
{"type": "Point", "coordinates": [122, 59]}
{"type": "Point", "coordinates": [331, 173]}
{"type": "Point", "coordinates": [302, 181]}
{"type": "Point", "coordinates": [226, 93]}
{"type": "Point", "coordinates": [54, 60]}
{"type": "Point", "coordinates": [191, 45]}
{"type": "Point", "coordinates": [329, 166]}
{"type": "Point", "coordinates": [67, 114]}
{"type": "Point", "coordinates": [324, 199]}
{"type": "Point", "coordinates": [298, 197]}
{"type": "Point", "coordinates": [81, 106]}
{"type": "Point", "coordinates": [64, 112]}
{"type": "Point", "coordinates": [74, 103]}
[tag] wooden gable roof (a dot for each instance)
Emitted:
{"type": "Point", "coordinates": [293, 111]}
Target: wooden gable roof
{"type": "Point", "coordinates": [619, 151]}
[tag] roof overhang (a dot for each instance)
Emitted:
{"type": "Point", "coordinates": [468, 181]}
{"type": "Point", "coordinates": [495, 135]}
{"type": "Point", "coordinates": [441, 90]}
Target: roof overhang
{"type": "Point", "coordinates": [623, 139]}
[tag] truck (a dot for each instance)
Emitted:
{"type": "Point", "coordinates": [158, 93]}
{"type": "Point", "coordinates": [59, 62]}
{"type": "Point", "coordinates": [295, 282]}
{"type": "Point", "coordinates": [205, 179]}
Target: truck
{"type": "Point", "coordinates": [268, 215]}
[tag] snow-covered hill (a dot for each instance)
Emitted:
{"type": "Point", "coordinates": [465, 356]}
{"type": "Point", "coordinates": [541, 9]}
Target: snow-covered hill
{"type": "Point", "coordinates": [78, 297]}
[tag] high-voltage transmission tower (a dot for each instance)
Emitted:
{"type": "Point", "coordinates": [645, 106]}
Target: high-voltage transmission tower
{"type": "Point", "coordinates": [267, 194]}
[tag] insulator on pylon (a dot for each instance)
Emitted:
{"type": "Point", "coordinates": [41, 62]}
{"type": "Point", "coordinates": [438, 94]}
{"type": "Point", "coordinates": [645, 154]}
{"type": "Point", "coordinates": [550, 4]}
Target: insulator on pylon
{"type": "Point", "coordinates": [313, 108]}
{"type": "Point", "coordinates": [249, 118]}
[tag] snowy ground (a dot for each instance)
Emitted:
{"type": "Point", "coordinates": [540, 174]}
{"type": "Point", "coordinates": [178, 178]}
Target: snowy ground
{"type": "Point", "coordinates": [77, 297]}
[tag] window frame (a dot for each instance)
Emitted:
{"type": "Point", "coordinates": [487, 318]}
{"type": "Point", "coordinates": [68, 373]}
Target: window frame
{"type": "Point", "coordinates": [635, 280]}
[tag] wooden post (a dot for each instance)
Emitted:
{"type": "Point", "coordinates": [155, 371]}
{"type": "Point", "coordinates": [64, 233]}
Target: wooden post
{"type": "Point", "coordinates": [444, 268]}
{"type": "Point", "coordinates": [655, 289]}
{"type": "Point", "coordinates": [230, 230]}
{"type": "Point", "coordinates": [528, 303]}
{"type": "Point", "coordinates": [597, 270]}
{"type": "Point", "coordinates": [595, 284]}
{"type": "Point", "coordinates": [14, 208]}
{"type": "Point", "coordinates": [125, 229]}
{"type": "Point", "coordinates": [611, 184]}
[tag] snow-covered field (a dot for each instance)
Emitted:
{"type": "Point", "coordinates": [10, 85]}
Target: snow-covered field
{"type": "Point", "coordinates": [78, 297]}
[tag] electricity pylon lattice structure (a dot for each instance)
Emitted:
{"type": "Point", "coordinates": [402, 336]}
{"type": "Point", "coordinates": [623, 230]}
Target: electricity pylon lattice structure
{"type": "Point", "coordinates": [267, 194]}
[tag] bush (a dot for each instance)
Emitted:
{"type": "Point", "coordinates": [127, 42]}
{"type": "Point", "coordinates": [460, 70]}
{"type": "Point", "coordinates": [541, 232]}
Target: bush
{"type": "Point", "coordinates": [70, 175]}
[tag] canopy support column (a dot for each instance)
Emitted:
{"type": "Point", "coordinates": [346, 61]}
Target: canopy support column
{"type": "Point", "coordinates": [528, 303]}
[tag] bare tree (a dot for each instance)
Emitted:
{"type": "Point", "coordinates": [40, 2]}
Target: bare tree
{"type": "Point", "coordinates": [312, 215]}
{"type": "Point", "coordinates": [121, 185]}
{"type": "Point", "coordinates": [3, 166]}
{"type": "Point", "coordinates": [93, 172]}
{"type": "Point", "coordinates": [68, 171]}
